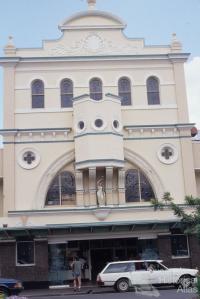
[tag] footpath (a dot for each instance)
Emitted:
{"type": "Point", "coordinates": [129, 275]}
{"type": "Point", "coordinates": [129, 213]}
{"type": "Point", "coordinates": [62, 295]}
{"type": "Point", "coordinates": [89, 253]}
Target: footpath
{"type": "Point", "coordinates": [63, 291]}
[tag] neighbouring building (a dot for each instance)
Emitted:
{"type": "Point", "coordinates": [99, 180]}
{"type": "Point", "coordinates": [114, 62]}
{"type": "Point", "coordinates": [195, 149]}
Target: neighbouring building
{"type": "Point", "coordinates": [95, 126]}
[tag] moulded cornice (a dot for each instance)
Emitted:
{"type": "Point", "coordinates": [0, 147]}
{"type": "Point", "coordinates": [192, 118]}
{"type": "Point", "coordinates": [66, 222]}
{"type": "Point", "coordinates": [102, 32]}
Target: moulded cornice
{"type": "Point", "coordinates": [179, 57]}
{"type": "Point", "coordinates": [160, 126]}
{"type": "Point", "coordinates": [6, 132]}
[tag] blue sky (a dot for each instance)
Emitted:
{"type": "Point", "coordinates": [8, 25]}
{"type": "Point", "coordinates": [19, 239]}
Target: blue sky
{"type": "Point", "coordinates": [31, 21]}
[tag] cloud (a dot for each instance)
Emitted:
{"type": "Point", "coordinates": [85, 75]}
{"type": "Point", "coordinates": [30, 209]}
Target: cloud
{"type": "Point", "coordinates": [192, 73]}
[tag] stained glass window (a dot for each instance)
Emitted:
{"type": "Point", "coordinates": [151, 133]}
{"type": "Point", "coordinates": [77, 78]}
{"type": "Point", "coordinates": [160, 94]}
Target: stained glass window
{"type": "Point", "coordinates": [138, 187]}
{"type": "Point", "coordinates": [132, 185]}
{"type": "Point", "coordinates": [62, 190]}
{"type": "Point", "coordinates": [66, 88]}
{"type": "Point", "coordinates": [145, 188]}
{"type": "Point", "coordinates": [124, 90]}
{"type": "Point", "coordinates": [96, 89]}
{"type": "Point", "coordinates": [37, 89]}
{"type": "Point", "coordinates": [153, 94]}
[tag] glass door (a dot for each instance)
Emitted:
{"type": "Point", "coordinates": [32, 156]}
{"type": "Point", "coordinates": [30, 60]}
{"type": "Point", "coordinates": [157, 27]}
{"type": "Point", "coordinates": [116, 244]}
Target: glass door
{"type": "Point", "coordinates": [57, 263]}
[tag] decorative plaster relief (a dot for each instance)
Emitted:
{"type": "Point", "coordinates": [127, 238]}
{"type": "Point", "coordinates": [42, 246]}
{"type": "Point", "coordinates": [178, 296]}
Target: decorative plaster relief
{"type": "Point", "coordinates": [167, 153]}
{"type": "Point", "coordinates": [101, 214]}
{"type": "Point", "coordinates": [94, 44]}
{"type": "Point", "coordinates": [28, 158]}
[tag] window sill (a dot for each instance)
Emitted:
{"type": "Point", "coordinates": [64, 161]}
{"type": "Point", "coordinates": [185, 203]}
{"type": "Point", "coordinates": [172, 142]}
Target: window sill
{"type": "Point", "coordinates": [180, 257]}
{"type": "Point", "coordinates": [25, 265]}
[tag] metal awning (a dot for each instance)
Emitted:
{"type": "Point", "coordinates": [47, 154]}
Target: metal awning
{"type": "Point", "coordinates": [10, 233]}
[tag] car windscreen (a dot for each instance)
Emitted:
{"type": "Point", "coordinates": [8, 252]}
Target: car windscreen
{"type": "Point", "coordinates": [119, 267]}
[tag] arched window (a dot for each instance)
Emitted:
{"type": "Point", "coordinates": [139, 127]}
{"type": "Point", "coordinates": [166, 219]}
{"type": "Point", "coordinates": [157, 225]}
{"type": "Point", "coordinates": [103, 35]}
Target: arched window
{"type": "Point", "coordinates": [96, 89]}
{"type": "Point", "coordinates": [138, 187]}
{"type": "Point", "coordinates": [124, 91]}
{"type": "Point", "coordinates": [62, 190]}
{"type": "Point", "coordinates": [153, 94]}
{"type": "Point", "coordinates": [37, 90]}
{"type": "Point", "coordinates": [66, 89]}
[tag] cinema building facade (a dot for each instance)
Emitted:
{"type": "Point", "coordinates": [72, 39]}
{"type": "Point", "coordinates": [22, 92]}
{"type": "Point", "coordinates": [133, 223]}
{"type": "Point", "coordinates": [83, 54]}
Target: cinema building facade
{"type": "Point", "coordinates": [95, 126]}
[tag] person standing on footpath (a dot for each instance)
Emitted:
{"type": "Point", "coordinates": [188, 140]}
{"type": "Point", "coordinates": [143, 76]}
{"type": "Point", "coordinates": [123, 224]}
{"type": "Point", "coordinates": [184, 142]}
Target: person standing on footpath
{"type": "Point", "coordinates": [76, 272]}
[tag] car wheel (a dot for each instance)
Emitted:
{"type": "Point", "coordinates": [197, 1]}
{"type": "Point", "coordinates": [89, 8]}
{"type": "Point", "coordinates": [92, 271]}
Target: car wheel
{"type": "Point", "coordinates": [185, 281]}
{"type": "Point", "coordinates": [122, 285]}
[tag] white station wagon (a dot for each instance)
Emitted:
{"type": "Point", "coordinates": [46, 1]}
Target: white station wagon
{"type": "Point", "coordinates": [127, 274]}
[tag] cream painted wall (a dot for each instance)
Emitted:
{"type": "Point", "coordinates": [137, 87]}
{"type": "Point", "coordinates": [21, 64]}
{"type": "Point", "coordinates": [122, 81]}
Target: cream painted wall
{"type": "Point", "coordinates": [56, 216]}
{"type": "Point", "coordinates": [78, 42]}
{"type": "Point", "coordinates": [44, 119]}
{"type": "Point", "coordinates": [196, 154]}
{"type": "Point", "coordinates": [197, 173]}
{"type": "Point", "coordinates": [1, 197]}
{"type": "Point", "coordinates": [27, 181]}
{"type": "Point", "coordinates": [81, 73]}
{"type": "Point", "coordinates": [1, 163]}
{"type": "Point", "coordinates": [25, 189]}
{"type": "Point", "coordinates": [171, 175]}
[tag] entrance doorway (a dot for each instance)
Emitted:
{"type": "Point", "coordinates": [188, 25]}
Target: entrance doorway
{"type": "Point", "coordinates": [99, 259]}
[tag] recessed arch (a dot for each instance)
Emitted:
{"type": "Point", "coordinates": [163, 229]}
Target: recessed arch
{"type": "Point", "coordinates": [96, 89]}
{"type": "Point", "coordinates": [148, 170]}
{"type": "Point", "coordinates": [37, 93]}
{"type": "Point", "coordinates": [48, 175]}
{"type": "Point", "coordinates": [124, 90]}
{"type": "Point", "coordinates": [153, 90]}
{"type": "Point", "coordinates": [66, 93]}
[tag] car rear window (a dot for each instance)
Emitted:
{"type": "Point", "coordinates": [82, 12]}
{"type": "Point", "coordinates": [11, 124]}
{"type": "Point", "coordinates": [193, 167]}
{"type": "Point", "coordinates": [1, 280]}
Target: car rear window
{"type": "Point", "coordinates": [120, 267]}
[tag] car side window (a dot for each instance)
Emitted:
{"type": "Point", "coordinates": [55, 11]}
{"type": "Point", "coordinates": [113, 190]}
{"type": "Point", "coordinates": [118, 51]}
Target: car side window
{"type": "Point", "coordinates": [140, 266]}
{"type": "Point", "coordinates": [117, 268]}
{"type": "Point", "coordinates": [154, 266]}
{"type": "Point", "coordinates": [131, 267]}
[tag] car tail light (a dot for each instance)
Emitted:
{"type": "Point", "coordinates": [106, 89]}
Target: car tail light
{"type": "Point", "coordinates": [99, 278]}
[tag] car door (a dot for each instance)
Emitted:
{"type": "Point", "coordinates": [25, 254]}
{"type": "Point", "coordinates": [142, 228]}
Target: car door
{"type": "Point", "coordinates": [158, 274]}
{"type": "Point", "coordinates": [139, 274]}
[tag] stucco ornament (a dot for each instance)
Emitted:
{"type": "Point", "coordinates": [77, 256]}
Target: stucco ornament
{"type": "Point", "coordinates": [101, 196]}
{"type": "Point", "coordinates": [28, 158]}
{"type": "Point", "coordinates": [101, 214]}
{"type": "Point", "coordinates": [167, 153]}
{"type": "Point", "coordinates": [93, 43]}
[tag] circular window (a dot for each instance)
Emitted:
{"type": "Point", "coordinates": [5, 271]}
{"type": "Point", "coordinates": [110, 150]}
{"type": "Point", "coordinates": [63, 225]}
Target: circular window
{"type": "Point", "coordinates": [98, 123]}
{"type": "Point", "coordinates": [81, 125]}
{"type": "Point", "coordinates": [167, 154]}
{"type": "Point", "coordinates": [28, 158]}
{"type": "Point", "coordinates": [116, 125]}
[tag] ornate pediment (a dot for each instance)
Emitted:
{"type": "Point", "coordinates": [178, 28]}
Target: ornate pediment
{"type": "Point", "coordinates": [92, 19]}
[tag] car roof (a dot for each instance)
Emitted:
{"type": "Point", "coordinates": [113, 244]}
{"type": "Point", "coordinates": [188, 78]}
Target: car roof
{"type": "Point", "coordinates": [136, 261]}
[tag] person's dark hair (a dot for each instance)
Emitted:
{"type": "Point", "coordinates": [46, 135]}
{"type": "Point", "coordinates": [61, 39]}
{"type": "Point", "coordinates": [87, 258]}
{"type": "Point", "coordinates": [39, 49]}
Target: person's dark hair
{"type": "Point", "coordinates": [76, 258]}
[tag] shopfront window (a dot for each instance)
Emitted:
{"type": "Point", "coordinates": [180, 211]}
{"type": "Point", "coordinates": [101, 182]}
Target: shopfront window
{"type": "Point", "coordinates": [25, 253]}
{"type": "Point", "coordinates": [61, 257]}
{"type": "Point", "coordinates": [179, 245]}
